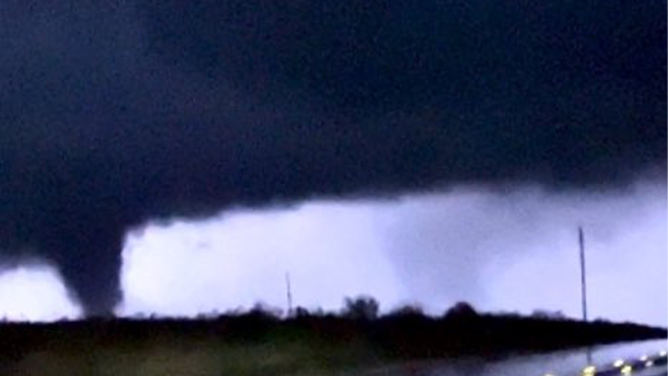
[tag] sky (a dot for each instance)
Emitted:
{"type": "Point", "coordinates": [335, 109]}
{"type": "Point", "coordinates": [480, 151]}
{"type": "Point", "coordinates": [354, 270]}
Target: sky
{"type": "Point", "coordinates": [502, 251]}
{"type": "Point", "coordinates": [518, 118]}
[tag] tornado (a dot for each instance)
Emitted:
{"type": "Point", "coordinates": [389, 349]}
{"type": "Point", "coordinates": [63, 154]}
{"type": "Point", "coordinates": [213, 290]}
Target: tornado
{"type": "Point", "coordinates": [115, 114]}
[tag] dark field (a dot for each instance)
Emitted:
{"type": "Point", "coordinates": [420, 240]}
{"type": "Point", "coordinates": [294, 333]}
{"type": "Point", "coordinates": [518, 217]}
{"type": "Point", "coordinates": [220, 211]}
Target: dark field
{"type": "Point", "coordinates": [259, 343]}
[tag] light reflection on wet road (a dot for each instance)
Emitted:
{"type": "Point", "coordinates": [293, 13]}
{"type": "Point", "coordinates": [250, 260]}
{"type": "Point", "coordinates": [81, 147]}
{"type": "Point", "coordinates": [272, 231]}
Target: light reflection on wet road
{"type": "Point", "coordinates": [558, 363]}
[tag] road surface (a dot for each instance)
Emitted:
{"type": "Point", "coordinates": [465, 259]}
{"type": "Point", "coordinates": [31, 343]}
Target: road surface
{"type": "Point", "coordinates": [558, 363]}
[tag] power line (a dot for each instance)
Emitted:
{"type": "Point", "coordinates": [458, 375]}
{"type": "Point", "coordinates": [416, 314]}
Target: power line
{"type": "Point", "coordinates": [289, 290]}
{"type": "Point", "coordinates": [583, 273]}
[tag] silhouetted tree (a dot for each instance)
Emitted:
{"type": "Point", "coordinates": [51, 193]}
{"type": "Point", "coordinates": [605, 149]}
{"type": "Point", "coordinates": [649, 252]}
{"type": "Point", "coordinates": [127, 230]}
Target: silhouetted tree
{"type": "Point", "coordinates": [361, 308]}
{"type": "Point", "coordinates": [302, 312]}
{"type": "Point", "coordinates": [508, 314]}
{"type": "Point", "coordinates": [461, 310]}
{"type": "Point", "coordinates": [261, 310]}
{"type": "Point", "coordinates": [548, 315]}
{"type": "Point", "coordinates": [407, 310]}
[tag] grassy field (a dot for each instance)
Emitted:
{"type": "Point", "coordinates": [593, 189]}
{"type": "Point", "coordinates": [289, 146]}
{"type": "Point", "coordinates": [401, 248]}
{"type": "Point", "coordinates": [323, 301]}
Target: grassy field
{"type": "Point", "coordinates": [191, 357]}
{"type": "Point", "coordinates": [261, 344]}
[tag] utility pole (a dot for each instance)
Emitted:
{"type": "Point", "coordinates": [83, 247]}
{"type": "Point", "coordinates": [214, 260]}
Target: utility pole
{"type": "Point", "coordinates": [287, 283]}
{"type": "Point", "coordinates": [583, 273]}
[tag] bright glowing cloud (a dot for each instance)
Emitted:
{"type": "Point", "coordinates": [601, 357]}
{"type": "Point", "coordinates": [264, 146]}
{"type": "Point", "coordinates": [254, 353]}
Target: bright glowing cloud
{"type": "Point", "coordinates": [34, 293]}
{"type": "Point", "coordinates": [511, 251]}
{"type": "Point", "coordinates": [236, 260]}
{"type": "Point", "coordinates": [514, 251]}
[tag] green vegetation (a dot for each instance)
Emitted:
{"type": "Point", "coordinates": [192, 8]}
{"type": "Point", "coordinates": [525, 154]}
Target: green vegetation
{"type": "Point", "coordinates": [260, 343]}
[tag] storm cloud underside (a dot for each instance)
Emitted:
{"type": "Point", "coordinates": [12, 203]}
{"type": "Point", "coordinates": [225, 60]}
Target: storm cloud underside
{"type": "Point", "coordinates": [112, 115]}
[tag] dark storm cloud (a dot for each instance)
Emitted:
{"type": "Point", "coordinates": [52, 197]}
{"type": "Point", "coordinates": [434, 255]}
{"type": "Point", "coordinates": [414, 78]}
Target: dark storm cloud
{"type": "Point", "coordinates": [115, 113]}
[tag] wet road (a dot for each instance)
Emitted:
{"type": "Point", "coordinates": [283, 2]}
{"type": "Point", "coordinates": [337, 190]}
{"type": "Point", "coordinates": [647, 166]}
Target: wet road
{"type": "Point", "coordinates": [631, 359]}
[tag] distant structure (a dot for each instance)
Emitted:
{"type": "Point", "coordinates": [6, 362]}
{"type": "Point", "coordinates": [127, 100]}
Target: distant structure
{"type": "Point", "coordinates": [289, 290]}
{"type": "Point", "coordinates": [583, 271]}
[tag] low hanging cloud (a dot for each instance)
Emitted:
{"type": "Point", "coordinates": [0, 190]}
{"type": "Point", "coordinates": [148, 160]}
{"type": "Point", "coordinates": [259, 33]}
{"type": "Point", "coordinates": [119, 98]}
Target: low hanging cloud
{"type": "Point", "coordinates": [501, 251]}
{"type": "Point", "coordinates": [235, 260]}
{"type": "Point", "coordinates": [113, 115]}
{"type": "Point", "coordinates": [35, 293]}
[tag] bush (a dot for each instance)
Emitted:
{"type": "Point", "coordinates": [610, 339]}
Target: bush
{"type": "Point", "coordinates": [301, 312]}
{"type": "Point", "coordinates": [407, 310]}
{"type": "Point", "coordinates": [548, 315]}
{"type": "Point", "coordinates": [361, 308]}
{"type": "Point", "coordinates": [262, 311]}
{"type": "Point", "coordinates": [461, 310]}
